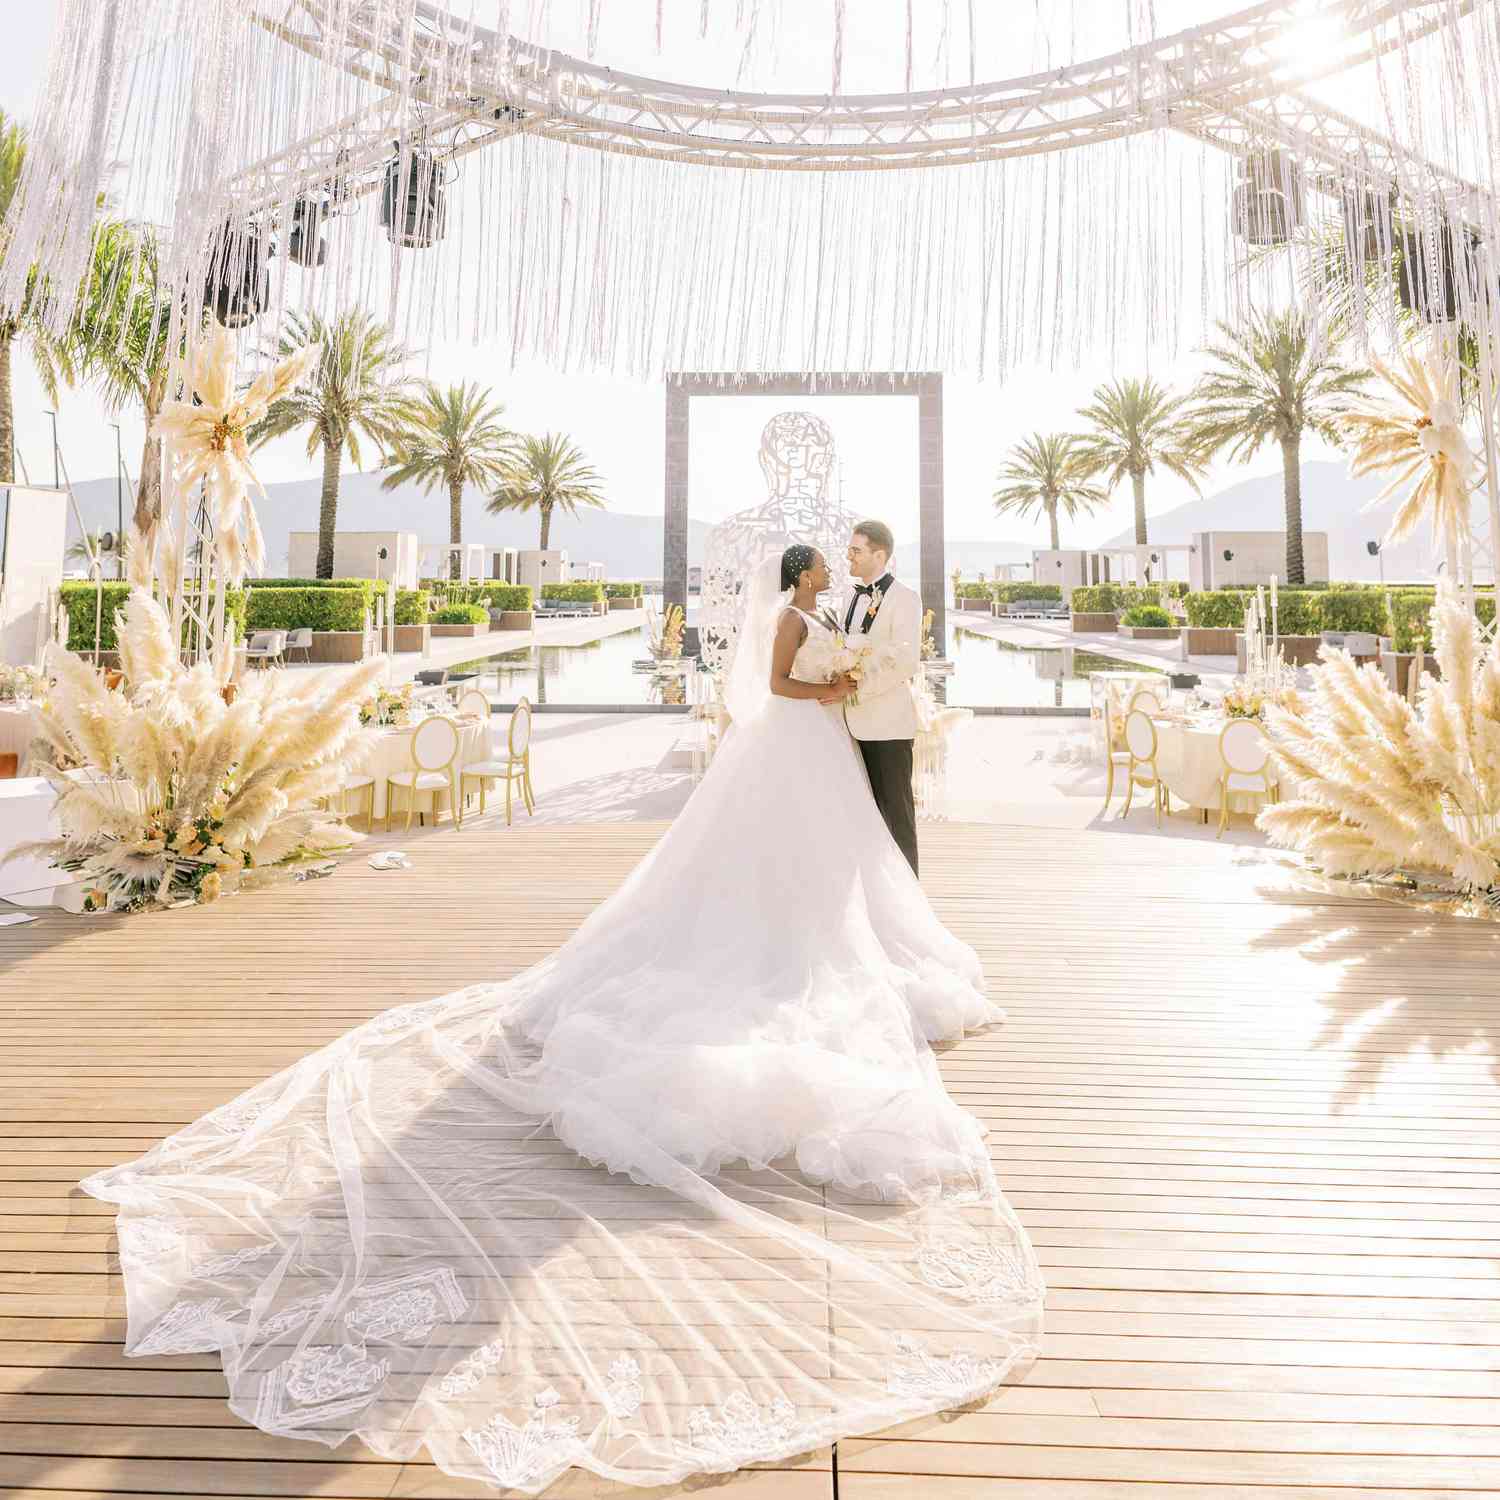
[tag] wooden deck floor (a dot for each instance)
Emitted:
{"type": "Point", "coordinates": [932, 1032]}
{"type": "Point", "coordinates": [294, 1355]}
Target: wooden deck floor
{"type": "Point", "coordinates": [1252, 1131]}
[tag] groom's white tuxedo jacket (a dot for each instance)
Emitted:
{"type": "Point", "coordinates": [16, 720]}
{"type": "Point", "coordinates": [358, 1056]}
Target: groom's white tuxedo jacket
{"type": "Point", "coordinates": [886, 709]}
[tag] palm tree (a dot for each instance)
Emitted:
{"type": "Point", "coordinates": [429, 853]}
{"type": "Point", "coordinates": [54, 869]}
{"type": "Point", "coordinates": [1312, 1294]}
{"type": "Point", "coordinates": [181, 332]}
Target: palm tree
{"type": "Point", "coordinates": [547, 473]}
{"type": "Point", "coordinates": [454, 437]}
{"type": "Point", "coordinates": [1048, 471]}
{"type": "Point", "coordinates": [1136, 428]}
{"type": "Point", "coordinates": [347, 393]}
{"type": "Point", "coordinates": [1270, 380]}
{"type": "Point", "coordinates": [120, 342]}
{"type": "Point", "coordinates": [50, 355]}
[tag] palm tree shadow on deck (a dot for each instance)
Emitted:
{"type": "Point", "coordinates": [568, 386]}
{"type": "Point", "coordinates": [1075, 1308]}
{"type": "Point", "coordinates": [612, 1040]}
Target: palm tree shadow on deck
{"type": "Point", "coordinates": [1379, 1023]}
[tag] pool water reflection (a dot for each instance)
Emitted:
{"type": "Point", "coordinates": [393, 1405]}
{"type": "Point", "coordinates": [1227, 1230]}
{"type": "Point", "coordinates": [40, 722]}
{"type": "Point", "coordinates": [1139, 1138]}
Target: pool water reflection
{"type": "Point", "coordinates": [598, 673]}
{"type": "Point", "coordinates": [991, 673]}
{"type": "Point", "coordinates": [987, 673]}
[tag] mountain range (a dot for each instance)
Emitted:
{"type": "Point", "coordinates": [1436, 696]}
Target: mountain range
{"type": "Point", "coordinates": [629, 545]}
{"type": "Point", "coordinates": [1332, 501]}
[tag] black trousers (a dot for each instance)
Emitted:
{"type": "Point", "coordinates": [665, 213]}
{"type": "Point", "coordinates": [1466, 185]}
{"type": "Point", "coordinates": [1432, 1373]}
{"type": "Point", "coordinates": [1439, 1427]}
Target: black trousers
{"type": "Point", "coordinates": [888, 763]}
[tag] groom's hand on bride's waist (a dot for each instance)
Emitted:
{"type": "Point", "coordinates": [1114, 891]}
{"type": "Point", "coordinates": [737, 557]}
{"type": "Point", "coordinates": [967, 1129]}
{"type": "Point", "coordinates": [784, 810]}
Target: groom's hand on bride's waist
{"type": "Point", "coordinates": [839, 689]}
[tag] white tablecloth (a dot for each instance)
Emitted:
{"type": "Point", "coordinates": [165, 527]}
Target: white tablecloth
{"type": "Point", "coordinates": [17, 730]}
{"type": "Point", "coordinates": [1187, 756]}
{"type": "Point", "coordinates": [392, 753]}
{"type": "Point", "coordinates": [26, 814]}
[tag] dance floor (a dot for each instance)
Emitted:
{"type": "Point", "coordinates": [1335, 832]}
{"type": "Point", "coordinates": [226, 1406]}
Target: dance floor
{"type": "Point", "coordinates": [1252, 1130]}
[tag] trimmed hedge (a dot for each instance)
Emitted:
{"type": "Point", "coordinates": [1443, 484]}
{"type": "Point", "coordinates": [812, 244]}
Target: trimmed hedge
{"type": "Point", "coordinates": [1018, 593]}
{"type": "Point", "coordinates": [1146, 615]}
{"type": "Point", "coordinates": [313, 583]}
{"type": "Point", "coordinates": [1342, 606]}
{"type": "Point", "coordinates": [1217, 609]}
{"type": "Point", "coordinates": [491, 595]}
{"type": "Point", "coordinates": [623, 590]}
{"type": "Point", "coordinates": [1412, 611]}
{"type": "Point", "coordinates": [963, 591]}
{"type": "Point", "coordinates": [574, 593]}
{"type": "Point", "coordinates": [461, 614]}
{"type": "Point", "coordinates": [1104, 598]}
{"type": "Point", "coordinates": [1094, 599]}
{"type": "Point", "coordinates": [315, 608]}
{"type": "Point", "coordinates": [1361, 609]}
{"type": "Point", "coordinates": [412, 606]}
{"type": "Point", "coordinates": [78, 600]}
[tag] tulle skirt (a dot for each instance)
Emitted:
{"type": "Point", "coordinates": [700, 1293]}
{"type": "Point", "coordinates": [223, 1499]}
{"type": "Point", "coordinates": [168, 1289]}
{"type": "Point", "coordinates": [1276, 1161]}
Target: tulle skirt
{"type": "Point", "coordinates": [687, 1195]}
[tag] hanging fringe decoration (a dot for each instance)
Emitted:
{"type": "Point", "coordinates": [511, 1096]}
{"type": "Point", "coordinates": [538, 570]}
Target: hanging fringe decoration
{"type": "Point", "coordinates": [465, 184]}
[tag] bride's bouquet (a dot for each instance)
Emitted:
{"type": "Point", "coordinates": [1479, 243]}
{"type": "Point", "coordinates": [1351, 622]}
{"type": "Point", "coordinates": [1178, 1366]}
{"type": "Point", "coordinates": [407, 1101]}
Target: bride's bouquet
{"type": "Point", "coordinates": [848, 661]}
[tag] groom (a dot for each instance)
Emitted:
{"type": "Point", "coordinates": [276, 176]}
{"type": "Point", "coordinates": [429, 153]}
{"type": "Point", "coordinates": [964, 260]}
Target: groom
{"type": "Point", "coordinates": [883, 715]}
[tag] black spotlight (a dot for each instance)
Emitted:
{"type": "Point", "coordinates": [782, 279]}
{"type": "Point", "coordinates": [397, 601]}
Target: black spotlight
{"type": "Point", "coordinates": [304, 243]}
{"type": "Point", "coordinates": [237, 286]}
{"type": "Point", "coordinates": [1437, 275]}
{"type": "Point", "coordinates": [413, 202]}
{"type": "Point", "coordinates": [1269, 198]}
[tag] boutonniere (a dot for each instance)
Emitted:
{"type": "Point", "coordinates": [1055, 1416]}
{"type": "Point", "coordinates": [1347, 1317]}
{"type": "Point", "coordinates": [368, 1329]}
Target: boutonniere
{"type": "Point", "coordinates": [873, 608]}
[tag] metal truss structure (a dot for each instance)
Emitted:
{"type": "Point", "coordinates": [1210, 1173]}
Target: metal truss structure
{"type": "Point", "coordinates": [460, 88]}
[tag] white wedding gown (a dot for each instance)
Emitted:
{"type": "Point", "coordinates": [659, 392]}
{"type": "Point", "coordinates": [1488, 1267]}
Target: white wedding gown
{"type": "Point", "coordinates": [686, 1195]}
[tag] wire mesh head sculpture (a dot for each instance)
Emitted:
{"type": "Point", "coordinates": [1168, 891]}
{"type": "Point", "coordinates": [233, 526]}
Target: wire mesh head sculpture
{"type": "Point", "coordinates": [797, 457]}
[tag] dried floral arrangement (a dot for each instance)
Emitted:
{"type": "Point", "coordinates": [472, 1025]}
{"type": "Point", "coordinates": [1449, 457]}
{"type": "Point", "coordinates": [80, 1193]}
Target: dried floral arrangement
{"type": "Point", "coordinates": [671, 632]}
{"type": "Point", "coordinates": [1415, 434]}
{"type": "Point", "coordinates": [1388, 786]}
{"type": "Point", "coordinates": [174, 785]}
{"type": "Point", "coordinates": [187, 796]}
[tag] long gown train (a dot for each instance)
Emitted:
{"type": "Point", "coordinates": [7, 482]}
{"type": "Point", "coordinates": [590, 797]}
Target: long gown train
{"type": "Point", "coordinates": [686, 1195]}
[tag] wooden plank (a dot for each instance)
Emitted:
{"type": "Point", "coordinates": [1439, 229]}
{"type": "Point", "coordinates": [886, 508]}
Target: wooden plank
{"type": "Point", "coordinates": [1260, 1172]}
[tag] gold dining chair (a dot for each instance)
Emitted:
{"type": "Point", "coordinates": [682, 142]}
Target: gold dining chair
{"type": "Point", "coordinates": [1244, 765]}
{"type": "Point", "coordinates": [1141, 769]}
{"type": "Point", "coordinates": [1116, 751]}
{"type": "Point", "coordinates": [1147, 699]}
{"type": "Point", "coordinates": [357, 783]}
{"type": "Point", "coordinates": [513, 768]}
{"type": "Point", "coordinates": [434, 750]}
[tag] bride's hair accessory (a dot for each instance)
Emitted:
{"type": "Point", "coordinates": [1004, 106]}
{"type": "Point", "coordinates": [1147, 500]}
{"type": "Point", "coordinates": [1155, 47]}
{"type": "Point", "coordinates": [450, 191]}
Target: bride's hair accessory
{"type": "Point", "coordinates": [795, 561]}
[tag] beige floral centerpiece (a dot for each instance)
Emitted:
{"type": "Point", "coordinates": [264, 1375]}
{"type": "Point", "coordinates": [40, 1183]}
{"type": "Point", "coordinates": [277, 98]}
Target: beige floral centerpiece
{"type": "Point", "coordinates": [183, 789]}
{"type": "Point", "coordinates": [1415, 434]}
{"type": "Point", "coordinates": [1392, 789]}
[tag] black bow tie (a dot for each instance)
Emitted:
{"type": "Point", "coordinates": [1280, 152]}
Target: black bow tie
{"type": "Point", "coordinates": [864, 588]}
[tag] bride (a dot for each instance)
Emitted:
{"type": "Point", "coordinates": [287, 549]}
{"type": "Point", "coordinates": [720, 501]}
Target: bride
{"type": "Point", "coordinates": [687, 1195]}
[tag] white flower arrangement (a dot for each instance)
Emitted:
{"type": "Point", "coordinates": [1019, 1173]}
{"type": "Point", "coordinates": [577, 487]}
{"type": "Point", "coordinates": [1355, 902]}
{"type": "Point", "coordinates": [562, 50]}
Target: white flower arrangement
{"type": "Point", "coordinates": [20, 683]}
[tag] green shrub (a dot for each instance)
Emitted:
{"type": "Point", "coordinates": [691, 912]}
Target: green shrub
{"type": "Point", "coordinates": [1017, 593]}
{"type": "Point", "coordinates": [1216, 609]}
{"type": "Point", "coordinates": [574, 593]}
{"type": "Point", "coordinates": [1298, 611]}
{"type": "Point", "coordinates": [623, 590]}
{"type": "Point", "coordinates": [461, 614]}
{"type": "Point", "coordinates": [412, 606]}
{"type": "Point", "coordinates": [313, 583]}
{"type": "Point", "coordinates": [1146, 615]}
{"type": "Point", "coordinates": [1094, 599]}
{"type": "Point", "coordinates": [1358, 608]}
{"type": "Point", "coordinates": [966, 591]}
{"type": "Point", "coordinates": [317, 608]}
{"type": "Point", "coordinates": [491, 595]}
{"type": "Point", "coordinates": [78, 600]}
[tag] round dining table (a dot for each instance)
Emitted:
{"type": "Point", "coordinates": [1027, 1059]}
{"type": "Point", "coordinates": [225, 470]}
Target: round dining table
{"type": "Point", "coordinates": [392, 753]}
{"type": "Point", "coordinates": [1187, 756]}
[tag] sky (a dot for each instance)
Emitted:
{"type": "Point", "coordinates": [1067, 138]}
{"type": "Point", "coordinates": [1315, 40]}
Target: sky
{"type": "Point", "coordinates": [618, 422]}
